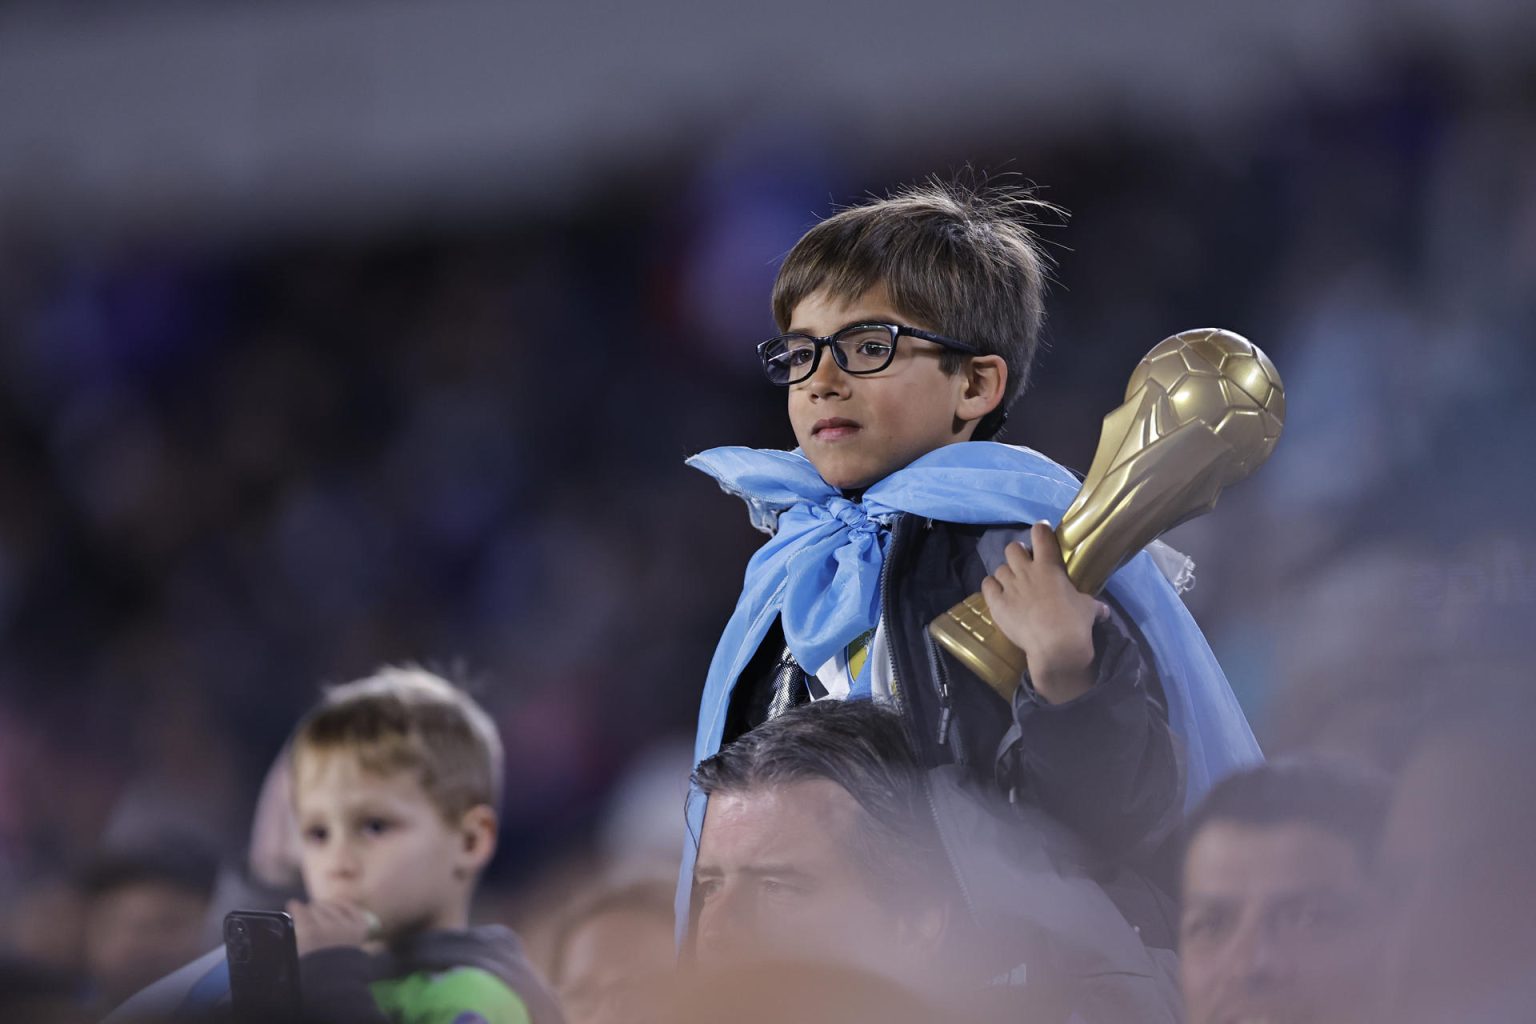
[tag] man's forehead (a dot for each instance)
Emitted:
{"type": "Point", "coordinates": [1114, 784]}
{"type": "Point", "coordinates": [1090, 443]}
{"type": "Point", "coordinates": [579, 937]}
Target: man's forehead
{"type": "Point", "coordinates": [778, 823]}
{"type": "Point", "coordinates": [1233, 859]}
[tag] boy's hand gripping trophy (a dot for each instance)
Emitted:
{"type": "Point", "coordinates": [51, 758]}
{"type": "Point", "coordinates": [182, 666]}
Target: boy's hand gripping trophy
{"type": "Point", "coordinates": [1202, 411]}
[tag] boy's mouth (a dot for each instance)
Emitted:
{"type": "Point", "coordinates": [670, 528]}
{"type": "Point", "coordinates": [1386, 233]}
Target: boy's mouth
{"type": "Point", "coordinates": [833, 428]}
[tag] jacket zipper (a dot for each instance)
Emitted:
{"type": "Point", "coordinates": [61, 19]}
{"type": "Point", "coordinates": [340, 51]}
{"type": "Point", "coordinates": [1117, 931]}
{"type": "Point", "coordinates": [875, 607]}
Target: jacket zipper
{"type": "Point", "coordinates": [906, 713]}
{"type": "Point", "coordinates": [942, 679]}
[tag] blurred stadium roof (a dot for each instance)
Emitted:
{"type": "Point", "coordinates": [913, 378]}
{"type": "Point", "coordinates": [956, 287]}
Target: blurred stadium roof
{"type": "Point", "coordinates": [296, 112]}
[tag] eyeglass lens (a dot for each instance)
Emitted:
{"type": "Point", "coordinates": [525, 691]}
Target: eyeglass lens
{"type": "Point", "coordinates": [857, 350]}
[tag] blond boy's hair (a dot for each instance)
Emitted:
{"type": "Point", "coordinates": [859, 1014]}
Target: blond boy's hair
{"type": "Point", "coordinates": [410, 720]}
{"type": "Point", "coordinates": [959, 257]}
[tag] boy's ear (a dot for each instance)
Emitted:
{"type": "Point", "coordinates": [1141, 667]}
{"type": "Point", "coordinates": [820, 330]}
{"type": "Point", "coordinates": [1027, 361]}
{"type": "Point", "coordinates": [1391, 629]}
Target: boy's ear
{"type": "Point", "coordinates": [986, 378]}
{"type": "Point", "coordinates": [477, 834]}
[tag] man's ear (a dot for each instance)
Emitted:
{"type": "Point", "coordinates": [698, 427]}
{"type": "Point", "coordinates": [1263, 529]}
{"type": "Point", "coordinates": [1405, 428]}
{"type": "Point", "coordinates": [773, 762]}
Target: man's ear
{"type": "Point", "coordinates": [986, 378]}
{"type": "Point", "coordinates": [477, 837]}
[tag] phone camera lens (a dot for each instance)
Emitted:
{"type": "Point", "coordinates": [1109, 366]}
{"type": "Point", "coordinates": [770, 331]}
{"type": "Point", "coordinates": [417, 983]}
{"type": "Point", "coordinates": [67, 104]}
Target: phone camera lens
{"type": "Point", "coordinates": [237, 941]}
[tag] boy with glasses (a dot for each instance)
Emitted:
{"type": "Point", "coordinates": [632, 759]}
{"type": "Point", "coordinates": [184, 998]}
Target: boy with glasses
{"type": "Point", "coordinates": [909, 325]}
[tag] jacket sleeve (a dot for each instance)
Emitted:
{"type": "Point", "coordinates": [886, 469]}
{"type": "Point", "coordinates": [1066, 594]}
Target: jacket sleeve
{"type": "Point", "coordinates": [334, 987]}
{"type": "Point", "coordinates": [1106, 763]}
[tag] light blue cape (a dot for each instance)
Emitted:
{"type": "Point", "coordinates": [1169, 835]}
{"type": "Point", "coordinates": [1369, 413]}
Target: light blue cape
{"type": "Point", "coordinates": [820, 571]}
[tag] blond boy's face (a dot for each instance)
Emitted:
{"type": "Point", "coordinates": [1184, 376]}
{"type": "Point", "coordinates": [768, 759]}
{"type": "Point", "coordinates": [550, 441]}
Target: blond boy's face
{"type": "Point", "coordinates": [378, 842]}
{"type": "Point", "coordinates": [857, 430]}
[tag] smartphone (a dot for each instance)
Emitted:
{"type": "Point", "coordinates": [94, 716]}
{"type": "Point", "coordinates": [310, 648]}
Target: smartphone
{"type": "Point", "coordinates": [263, 967]}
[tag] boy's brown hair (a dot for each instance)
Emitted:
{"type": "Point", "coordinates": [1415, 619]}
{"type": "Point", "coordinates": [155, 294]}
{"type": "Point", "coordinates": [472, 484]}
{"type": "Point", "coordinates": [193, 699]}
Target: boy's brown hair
{"type": "Point", "coordinates": [958, 257]}
{"type": "Point", "coordinates": [410, 720]}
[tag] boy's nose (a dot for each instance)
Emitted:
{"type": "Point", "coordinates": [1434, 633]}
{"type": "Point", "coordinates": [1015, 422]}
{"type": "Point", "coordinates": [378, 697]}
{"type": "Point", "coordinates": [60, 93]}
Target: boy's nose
{"type": "Point", "coordinates": [828, 377]}
{"type": "Point", "coordinates": [344, 862]}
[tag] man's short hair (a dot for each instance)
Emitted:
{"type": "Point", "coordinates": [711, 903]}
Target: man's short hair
{"type": "Point", "coordinates": [861, 747]}
{"type": "Point", "coordinates": [1341, 798]}
{"type": "Point", "coordinates": [958, 257]}
{"type": "Point", "coordinates": [410, 720]}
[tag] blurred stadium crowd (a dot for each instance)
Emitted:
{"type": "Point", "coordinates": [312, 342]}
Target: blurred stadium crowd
{"type": "Point", "coordinates": [233, 471]}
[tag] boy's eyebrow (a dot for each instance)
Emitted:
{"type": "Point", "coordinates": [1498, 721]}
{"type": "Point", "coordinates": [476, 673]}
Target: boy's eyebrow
{"type": "Point", "coordinates": [872, 318]}
{"type": "Point", "coordinates": [368, 805]}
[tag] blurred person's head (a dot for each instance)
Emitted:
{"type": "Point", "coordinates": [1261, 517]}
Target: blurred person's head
{"type": "Point", "coordinates": [1276, 896]}
{"type": "Point", "coordinates": [144, 914]}
{"type": "Point", "coordinates": [1456, 862]}
{"type": "Point", "coordinates": [816, 843]}
{"type": "Point", "coordinates": [275, 854]}
{"type": "Point", "coordinates": [611, 948]}
{"type": "Point", "coordinates": [396, 781]}
{"type": "Point", "coordinates": [954, 260]}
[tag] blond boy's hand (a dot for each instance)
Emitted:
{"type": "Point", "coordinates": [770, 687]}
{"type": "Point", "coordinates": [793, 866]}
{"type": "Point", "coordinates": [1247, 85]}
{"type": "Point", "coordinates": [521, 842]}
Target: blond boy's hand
{"type": "Point", "coordinates": [1037, 607]}
{"type": "Point", "coordinates": [321, 925]}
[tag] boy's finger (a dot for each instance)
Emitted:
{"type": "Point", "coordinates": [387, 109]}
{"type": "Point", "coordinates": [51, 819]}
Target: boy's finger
{"type": "Point", "coordinates": [1100, 611]}
{"type": "Point", "coordinates": [1017, 556]}
{"type": "Point", "coordinates": [1047, 549]}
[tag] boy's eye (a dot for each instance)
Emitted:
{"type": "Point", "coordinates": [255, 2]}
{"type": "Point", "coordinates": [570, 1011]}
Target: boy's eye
{"type": "Point", "coordinates": [708, 887]}
{"type": "Point", "coordinates": [315, 834]}
{"type": "Point", "coordinates": [375, 826]}
{"type": "Point", "coordinates": [865, 348]}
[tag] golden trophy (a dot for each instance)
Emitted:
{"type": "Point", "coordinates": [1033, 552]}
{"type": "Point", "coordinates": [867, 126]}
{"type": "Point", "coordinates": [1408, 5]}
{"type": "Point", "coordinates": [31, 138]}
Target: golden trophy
{"type": "Point", "coordinates": [1202, 411]}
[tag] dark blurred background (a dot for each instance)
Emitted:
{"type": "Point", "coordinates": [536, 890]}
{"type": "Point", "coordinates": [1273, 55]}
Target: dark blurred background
{"type": "Point", "coordinates": [335, 334]}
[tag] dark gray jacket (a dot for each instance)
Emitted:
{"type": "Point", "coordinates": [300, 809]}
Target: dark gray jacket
{"type": "Point", "coordinates": [339, 985]}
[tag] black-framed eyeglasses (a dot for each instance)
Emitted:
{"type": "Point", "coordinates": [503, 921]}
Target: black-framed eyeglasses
{"type": "Point", "coordinates": [858, 349]}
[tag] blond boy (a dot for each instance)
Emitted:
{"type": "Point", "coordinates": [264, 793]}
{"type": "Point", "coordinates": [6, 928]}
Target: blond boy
{"type": "Point", "coordinates": [396, 782]}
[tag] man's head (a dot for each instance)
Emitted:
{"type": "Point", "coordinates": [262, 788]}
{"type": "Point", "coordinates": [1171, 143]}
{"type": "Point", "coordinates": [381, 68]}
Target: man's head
{"type": "Point", "coordinates": [396, 779]}
{"type": "Point", "coordinates": [816, 843]}
{"type": "Point", "coordinates": [1275, 896]}
{"type": "Point", "coordinates": [956, 260]}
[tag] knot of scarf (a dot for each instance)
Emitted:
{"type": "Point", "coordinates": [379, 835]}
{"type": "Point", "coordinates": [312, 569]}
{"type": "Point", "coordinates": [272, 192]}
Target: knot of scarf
{"type": "Point", "coordinates": [828, 551]}
{"type": "Point", "coordinates": [851, 514]}
{"type": "Point", "coordinates": [832, 554]}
